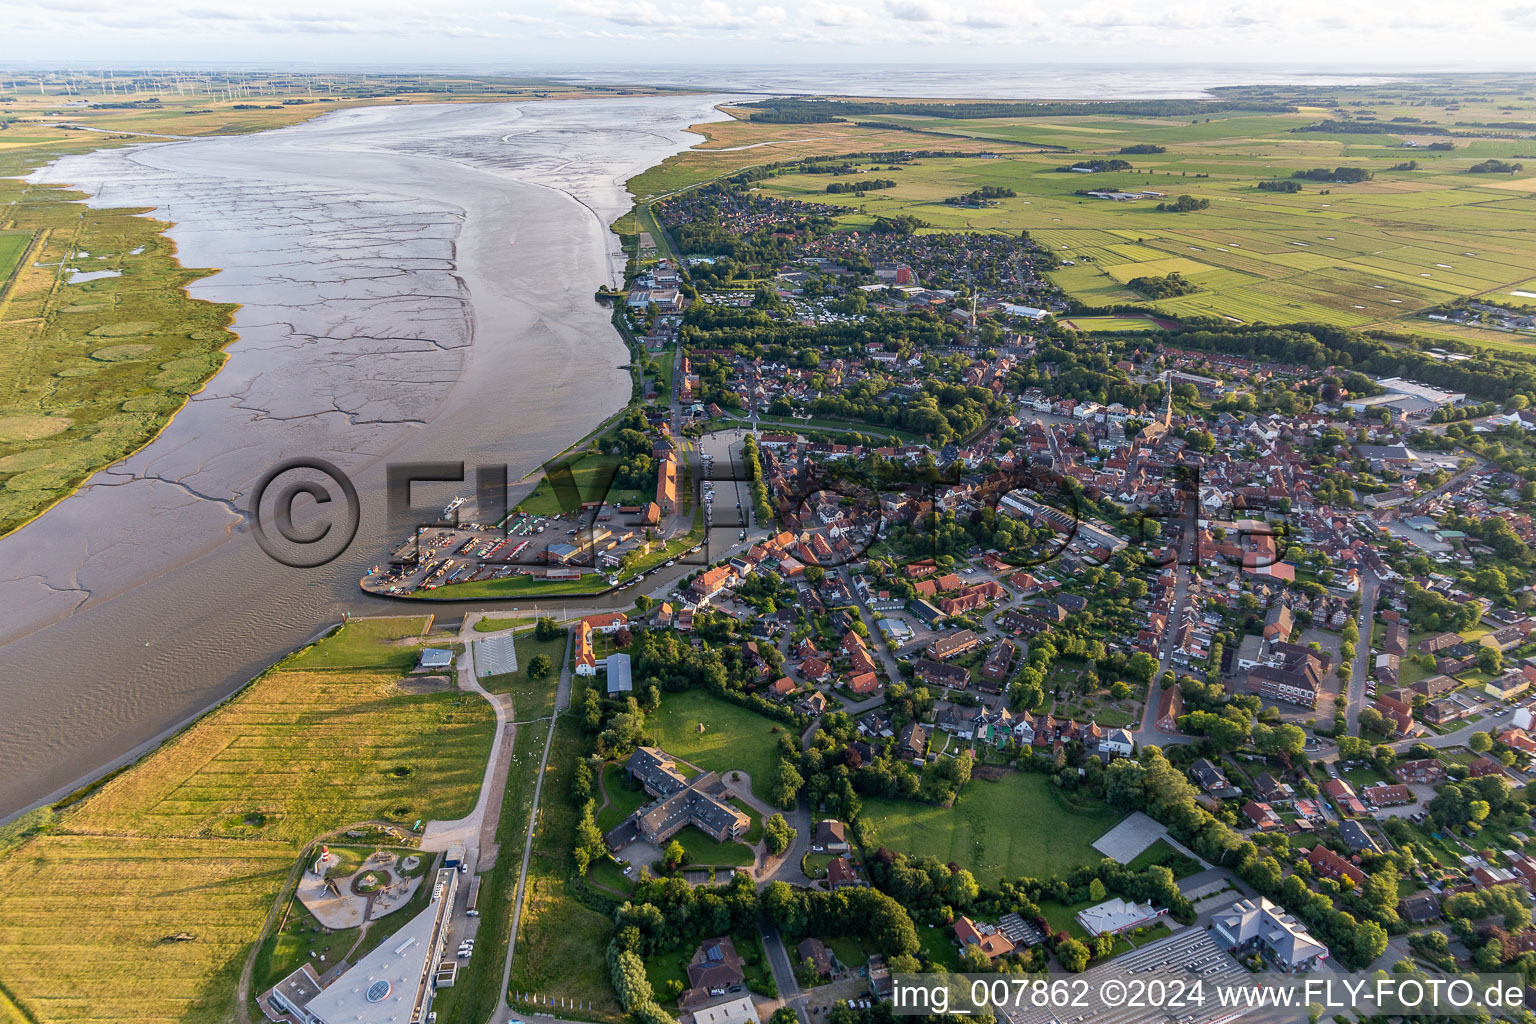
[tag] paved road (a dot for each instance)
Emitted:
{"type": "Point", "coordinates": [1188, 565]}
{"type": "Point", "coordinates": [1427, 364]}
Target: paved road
{"type": "Point", "coordinates": [1148, 732]}
{"type": "Point", "coordinates": [784, 973]}
{"type": "Point", "coordinates": [877, 644]}
{"type": "Point", "coordinates": [1370, 586]}
{"type": "Point", "coordinates": [477, 829]}
{"type": "Point", "coordinates": [785, 867]}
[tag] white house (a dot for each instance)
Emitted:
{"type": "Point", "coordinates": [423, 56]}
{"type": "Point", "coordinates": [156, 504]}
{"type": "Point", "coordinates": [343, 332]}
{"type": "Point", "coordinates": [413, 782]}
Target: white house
{"type": "Point", "coordinates": [1118, 742]}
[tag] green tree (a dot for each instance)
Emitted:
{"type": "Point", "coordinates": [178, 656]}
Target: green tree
{"type": "Point", "coordinates": [539, 667]}
{"type": "Point", "coordinates": [786, 785]}
{"type": "Point", "coordinates": [1490, 660]}
{"type": "Point", "coordinates": [973, 960]}
{"type": "Point", "coordinates": [777, 834]}
{"type": "Point", "coordinates": [1072, 954]}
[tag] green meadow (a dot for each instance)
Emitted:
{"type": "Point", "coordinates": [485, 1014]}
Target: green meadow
{"type": "Point", "coordinates": [1018, 825]}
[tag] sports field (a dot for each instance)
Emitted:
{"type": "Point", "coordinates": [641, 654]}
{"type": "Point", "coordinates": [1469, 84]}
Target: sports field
{"type": "Point", "coordinates": [1015, 826]}
{"type": "Point", "coordinates": [176, 862]}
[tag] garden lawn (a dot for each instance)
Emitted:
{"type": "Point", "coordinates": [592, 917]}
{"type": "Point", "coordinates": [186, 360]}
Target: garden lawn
{"type": "Point", "coordinates": [732, 737]}
{"type": "Point", "coordinates": [703, 851]}
{"type": "Point", "coordinates": [937, 943]}
{"type": "Point", "coordinates": [1016, 826]}
{"type": "Point", "coordinates": [850, 951]}
{"type": "Point", "coordinates": [1160, 852]}
{"type": "Point", "coordinates": [622, 801]}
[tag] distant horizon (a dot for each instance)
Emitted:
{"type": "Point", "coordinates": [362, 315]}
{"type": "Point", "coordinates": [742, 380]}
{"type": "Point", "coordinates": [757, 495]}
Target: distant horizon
{"type": "Point", "coordinates": [940, 81]}
{"type": "Point", "coordinates": [551, 66]}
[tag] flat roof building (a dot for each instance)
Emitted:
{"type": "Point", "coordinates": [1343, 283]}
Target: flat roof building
{"type": "Point", "coordinates": [435, 658]}
{"type": "Point", "coordinates": [1116, 916]}
{"type": "Point", "coordinates": [394, 984]}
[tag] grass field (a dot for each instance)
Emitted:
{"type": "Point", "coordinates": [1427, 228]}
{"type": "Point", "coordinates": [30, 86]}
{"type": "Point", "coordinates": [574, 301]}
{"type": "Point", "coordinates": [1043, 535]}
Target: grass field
{"type": "Point", "coordinates": [731, 737]}
{"type": "Point", "coordinates": [622, 801]}
{"type": "Point", "coordinates": [560, 945]}
{"type": "Point", "coordinates": [592, 477]}
{"type": "Point", "coordinates": [142, 901]}
{"type": "Point", "coordinates": [516, 587]}
{"type": "Point", "coordinates": [1161, 852]}
{"type": "Point", "coordinates": [478, 989]}
{"type": "Point", "coordinates": [1015, 826]}
{"type": "Point", "coordinates": [702, 851]}
{"type": "Point", "coordinates": [12, 245]}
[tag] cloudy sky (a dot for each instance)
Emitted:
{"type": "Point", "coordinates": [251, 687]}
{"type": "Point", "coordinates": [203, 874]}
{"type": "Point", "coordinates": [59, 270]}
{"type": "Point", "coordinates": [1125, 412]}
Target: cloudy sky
{"type": "Point", "coordinates": [1473, 33]}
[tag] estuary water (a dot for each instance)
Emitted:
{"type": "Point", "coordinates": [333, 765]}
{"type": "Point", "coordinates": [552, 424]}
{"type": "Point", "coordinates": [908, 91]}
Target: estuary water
{"type": "Point", "coordinates": [416, 284]}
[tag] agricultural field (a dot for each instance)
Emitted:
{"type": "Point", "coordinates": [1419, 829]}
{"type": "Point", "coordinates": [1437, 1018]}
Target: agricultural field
{"type": "Point", "coordinates": [994, 828]}
{"type": "Point", "coordinates": [717, 736]}
{"type": "Point", "coordinates": [177, 861]}
{"type": "Point", "coordinates": [731, 145]}
{"type": "Point", "coordinates": [1355, 255]}
{"type": "Point", "coordinates": [1112, 324]}
{"type": "Point", "coordinates": [12, 245]}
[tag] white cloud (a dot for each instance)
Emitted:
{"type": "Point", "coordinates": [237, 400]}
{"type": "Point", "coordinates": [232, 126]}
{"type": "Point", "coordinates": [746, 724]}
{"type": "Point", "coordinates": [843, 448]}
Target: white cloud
{"type": "Point", "coordinates": [719, 31]}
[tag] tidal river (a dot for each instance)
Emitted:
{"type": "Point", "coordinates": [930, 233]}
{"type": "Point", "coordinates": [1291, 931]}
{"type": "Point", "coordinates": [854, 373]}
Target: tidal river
{"type": "Point", "coordinates": [416, 284]}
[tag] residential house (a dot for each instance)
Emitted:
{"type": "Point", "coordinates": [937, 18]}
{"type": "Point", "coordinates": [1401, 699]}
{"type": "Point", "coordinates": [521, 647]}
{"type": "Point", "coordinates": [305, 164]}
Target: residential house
{"type": "Point", "coordinates": [1385, 794]}
{"type": "Point", "coordinates": [1262, 815]}
{"type": "Point", "coordinates": [1429, 771]}
{"type": "Point", "coordinates": [1344, 797]}
{"type": "Point", "coordinates": [831, 837]}
{"type": "Point", "coordinates": [1328, 864]}
{"type": "Point", "coordinates": [1357, 838]}
{"type": "Point", "coordinates": [912, 744]}
{"type": "Point", "coordinates": [814, 953]}
{"type": "Point", "coordinates": [988, 937]}
{"type": "Point", "coordinates": [841, 872]}
{"type": "Point", "coordinates": [954, 645]}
